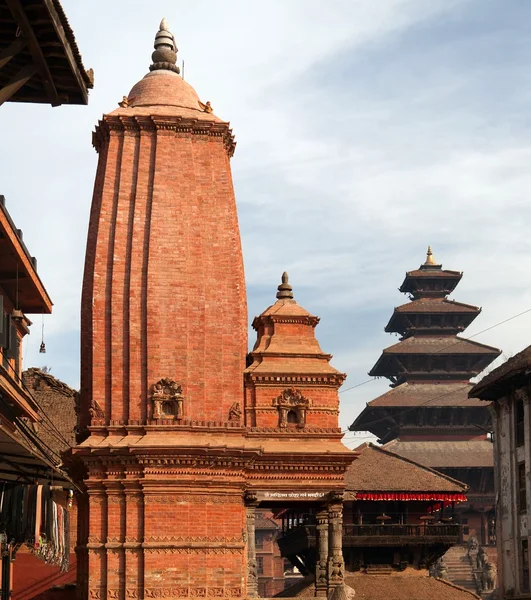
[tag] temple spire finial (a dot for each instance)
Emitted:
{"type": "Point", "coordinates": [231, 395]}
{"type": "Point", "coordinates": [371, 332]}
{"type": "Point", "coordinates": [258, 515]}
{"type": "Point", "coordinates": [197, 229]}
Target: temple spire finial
{"type": "Point", "coordinates": [430, 261]}
{"type": "Point", "coordinates": [285, 291]}
{"type": "Point", "coordinates": [165, 55]}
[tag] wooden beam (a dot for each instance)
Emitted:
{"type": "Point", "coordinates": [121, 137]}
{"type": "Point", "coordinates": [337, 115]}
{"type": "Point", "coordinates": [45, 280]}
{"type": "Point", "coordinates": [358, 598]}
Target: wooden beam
{"type": "Point", "coordinates": [12, 50]}
{"type": "Point", "coordinates": [16, 82]}
{"type": "Point", "coordinates": [36, 52]}
{"type": "Point", "coordinates": [68, 50]}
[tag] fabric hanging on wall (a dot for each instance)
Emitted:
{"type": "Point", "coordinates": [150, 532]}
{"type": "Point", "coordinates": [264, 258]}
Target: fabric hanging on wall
{"type": "Point", "coordinates": [29, 515]}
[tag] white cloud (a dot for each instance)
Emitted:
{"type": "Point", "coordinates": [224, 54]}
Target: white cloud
{"type": "Point", "coordinates": [362, 137]}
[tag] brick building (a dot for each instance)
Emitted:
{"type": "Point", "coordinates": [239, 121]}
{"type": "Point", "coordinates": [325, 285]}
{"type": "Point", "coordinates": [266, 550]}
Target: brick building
{"type": "Point", "coordinates": [507, 388]}
{"type": "Point", "coordinates": [31, 575]}
{"type": "Point", "coordinates": [175, 457]}
{"type": "Point", "coordinates": [269, 562]}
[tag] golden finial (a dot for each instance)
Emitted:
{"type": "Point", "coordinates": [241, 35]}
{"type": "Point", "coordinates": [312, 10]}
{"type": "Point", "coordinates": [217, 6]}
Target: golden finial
{"type": "Point", "coordinates": [430, 261]}
{"type": "Point", "coordinates": [285, 291]}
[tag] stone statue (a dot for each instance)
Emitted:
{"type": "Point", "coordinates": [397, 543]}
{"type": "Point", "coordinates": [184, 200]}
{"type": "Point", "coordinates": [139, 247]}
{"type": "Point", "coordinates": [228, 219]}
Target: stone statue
{"type": "Point", "coordinates": [252, 570]}
{"type": "Point", "coordinates": [489, 577]}
{"type": "Point", "coordinates": [235, 413]}
{"type": "Point", "coordinates": [472, 545]}
{"type": "Point", "coordinates": [341, 592]}
{"type": "Point", "coordinates": [440, 569]}
{"type": "Point", "coordinates": [481, 558]}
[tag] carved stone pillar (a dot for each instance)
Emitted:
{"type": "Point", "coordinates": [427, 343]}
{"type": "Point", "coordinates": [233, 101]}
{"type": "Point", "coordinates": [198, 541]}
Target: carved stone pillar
{"type": "Point", "coordinates": [321, 563]}
{"type": "Point", "coordinates": [336, 564]}
{"type": "Point", "coordinates": [252, 575]}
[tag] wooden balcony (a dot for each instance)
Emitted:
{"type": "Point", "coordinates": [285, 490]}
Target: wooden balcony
{"type": "Point", "coordinates": [401, 535]}
{"type": "Point", "coordinates": [301, 538]}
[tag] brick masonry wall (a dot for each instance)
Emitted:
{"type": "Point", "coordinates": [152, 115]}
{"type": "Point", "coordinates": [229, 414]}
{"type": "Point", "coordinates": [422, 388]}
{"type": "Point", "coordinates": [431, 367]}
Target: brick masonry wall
{"type": "Point", "coordinates": [163, 240]}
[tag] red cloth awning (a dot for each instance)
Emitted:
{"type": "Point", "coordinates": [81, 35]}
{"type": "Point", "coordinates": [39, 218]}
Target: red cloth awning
{"type": "Point", "coordinates": [411, 496]}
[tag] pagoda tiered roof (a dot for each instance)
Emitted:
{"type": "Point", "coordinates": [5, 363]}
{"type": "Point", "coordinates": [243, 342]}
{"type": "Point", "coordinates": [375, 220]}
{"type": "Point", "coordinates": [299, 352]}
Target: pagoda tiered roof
{"type": "Point", "coordinates": [429, 348]}
{"type": "Point", "coordinates": [431, 366]}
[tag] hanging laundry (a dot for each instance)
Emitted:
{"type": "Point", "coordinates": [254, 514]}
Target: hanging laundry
{"type": "Point", "coordinates": [29, 515]}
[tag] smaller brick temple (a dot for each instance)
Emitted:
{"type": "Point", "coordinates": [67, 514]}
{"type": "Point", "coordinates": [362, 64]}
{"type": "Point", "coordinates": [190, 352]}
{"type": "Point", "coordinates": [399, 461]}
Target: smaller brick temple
{"type": "Point", "coordinates": [292, 412]}
{"type": "Point", "coordinates": [427, 415]}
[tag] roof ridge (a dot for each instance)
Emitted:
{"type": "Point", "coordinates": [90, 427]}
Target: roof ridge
{"type": "Point", "coordinates": [54, 382]}
{"type": "Point", "coordinates": [423, 338]}
{"type": "Point", "coordinates": [416, 464]}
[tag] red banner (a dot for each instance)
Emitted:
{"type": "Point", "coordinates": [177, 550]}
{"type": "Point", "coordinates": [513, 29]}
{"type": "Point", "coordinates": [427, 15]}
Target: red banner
{"type": "Point", "coordinates": [410, 496]}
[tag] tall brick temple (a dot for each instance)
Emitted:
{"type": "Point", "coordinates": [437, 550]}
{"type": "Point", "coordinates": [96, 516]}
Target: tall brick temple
{"type": "Point", "coordinates": [173, 455]}
{"type": "Point", "coordinates": [427, 416]}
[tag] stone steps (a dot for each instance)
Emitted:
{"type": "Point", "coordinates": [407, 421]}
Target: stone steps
{"type": "Point", "coordinates": [459, 568]}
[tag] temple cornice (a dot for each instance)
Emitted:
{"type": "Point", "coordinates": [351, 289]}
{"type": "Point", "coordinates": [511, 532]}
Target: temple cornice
{"type": "Point", "coordinates": [119, 125]}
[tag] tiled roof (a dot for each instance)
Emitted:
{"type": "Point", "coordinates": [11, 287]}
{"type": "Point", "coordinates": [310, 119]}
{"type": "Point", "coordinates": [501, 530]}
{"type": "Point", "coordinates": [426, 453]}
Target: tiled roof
{"type": "Point", "coordinates": [58, 402]}
{"type": "Point", "coordinates": [437, 454]}
{"type": "Point", "coordinates": [286, 307]}
{"type": "Point", "coordinates": [379, 470]}
{"type": "Point", "coordinates": [430, 394]}
{"type": "Point", "coordinates": [439, 345]}
{"type": "Point", "coordinates": [430, 273]}
{"type": "Point", "coordinates": [406, 585]}
{"type": "Point", "coordinates": [491, 386]}
{"type": "Point", "coordinates": [438, 305]}
{"type": "Point", "coordinates": [264, 522]}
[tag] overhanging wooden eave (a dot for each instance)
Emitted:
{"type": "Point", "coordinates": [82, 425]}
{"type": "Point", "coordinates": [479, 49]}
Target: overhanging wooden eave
{"type": "Point", "coordinates": [38, 300]}
{"type": "Point", "coordinates": [37, 41]}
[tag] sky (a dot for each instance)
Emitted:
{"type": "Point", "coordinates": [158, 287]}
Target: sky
{"type": "Point", "coordinates": [365, 131]}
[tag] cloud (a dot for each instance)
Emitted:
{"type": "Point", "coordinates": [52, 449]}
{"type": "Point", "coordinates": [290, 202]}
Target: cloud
{"type": "Point", "coordinates": [366, 131]}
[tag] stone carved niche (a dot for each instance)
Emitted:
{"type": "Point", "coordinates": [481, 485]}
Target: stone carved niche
{"type": "Point", "coordinates": [292, 407]}
{"type": "Point", "coordinates": [235, 412]}
{"type": "Point", "coordinates": [167, 400]}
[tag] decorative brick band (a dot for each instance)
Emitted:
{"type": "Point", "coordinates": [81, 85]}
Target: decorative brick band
{"type": "Point", "coordinates": [333, 380]}
{"type": "Point", "coordinates": [192, 550]}
{"type": "Point", "coordinates": [192, 498]}
{"type": "Point", "coordinates": [135, 125]}
{"type": "Point", "coordinates": [193, 592]}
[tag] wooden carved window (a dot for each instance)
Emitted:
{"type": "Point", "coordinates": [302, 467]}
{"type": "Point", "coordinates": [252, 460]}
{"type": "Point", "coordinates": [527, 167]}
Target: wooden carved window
{"type": "Point", "coordinates": [519, 421]}
{"type": "Point", "coordinates": [524, 558]}
{"type": "Point", "coordinates": [522, 493]}
{"type": "Point", "coordinates": [260, 565]}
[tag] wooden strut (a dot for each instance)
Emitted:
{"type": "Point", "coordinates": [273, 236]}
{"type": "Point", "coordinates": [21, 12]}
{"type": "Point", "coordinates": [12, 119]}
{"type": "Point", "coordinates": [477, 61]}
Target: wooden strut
{"type": "Point", "coordinates": [16, 82]}
{"type": "Point", "coordinates": [40, 64]}
{"type": "Point", "coordinates": [12, 50]}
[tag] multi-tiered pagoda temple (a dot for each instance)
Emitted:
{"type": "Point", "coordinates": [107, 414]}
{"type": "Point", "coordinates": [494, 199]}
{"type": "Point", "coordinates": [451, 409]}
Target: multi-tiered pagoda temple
{"type": "Point", "coordinates": [427, 415]}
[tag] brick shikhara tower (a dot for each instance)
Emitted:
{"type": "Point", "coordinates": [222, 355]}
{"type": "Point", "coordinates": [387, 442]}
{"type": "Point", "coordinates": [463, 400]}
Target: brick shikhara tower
{"type": "Point", "coordinates": [173, 456]}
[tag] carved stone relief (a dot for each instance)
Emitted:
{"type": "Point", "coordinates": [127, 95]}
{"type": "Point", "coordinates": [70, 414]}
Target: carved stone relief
{"type": "Point", "coordinates": [167, 400]}
{"type": "Point", "coordinates": [292, 407]}
{"type": "Point", "coordinates": [235, 412]}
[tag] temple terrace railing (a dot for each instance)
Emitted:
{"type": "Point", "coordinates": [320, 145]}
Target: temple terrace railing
{"type": "Point", "coordinates": [302, 537]}
{"type": "Point", "coordinates": [401, 535]}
